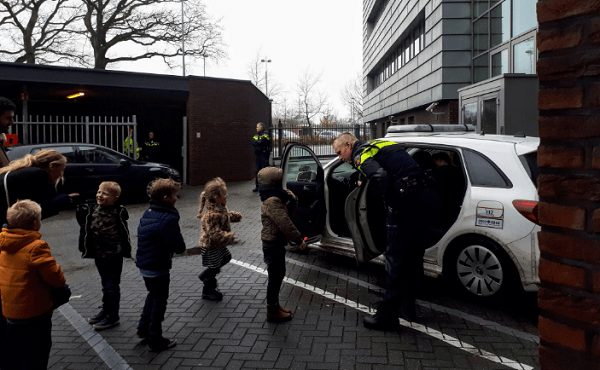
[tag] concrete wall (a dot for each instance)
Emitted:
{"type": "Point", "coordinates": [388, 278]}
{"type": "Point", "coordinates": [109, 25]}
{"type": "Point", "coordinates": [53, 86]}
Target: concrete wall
{"type": "Point", "coordinates": [436, 73]}
{"type": "Point", "coordinates": [225, 113]}
{"type": "Point", "coordinates": [569, 183]}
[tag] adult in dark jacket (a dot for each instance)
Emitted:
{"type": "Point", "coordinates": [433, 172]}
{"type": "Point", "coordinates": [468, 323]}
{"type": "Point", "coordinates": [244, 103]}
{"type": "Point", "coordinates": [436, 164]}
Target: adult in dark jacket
{"type": "Point", "coordinates": [159, 237]}
{"type": "Point", "coordinates": [409, 199]}
{"type": "Point", "coordinates": [34, 178]}
{"type": "Point", "coordinates": [261, 142]}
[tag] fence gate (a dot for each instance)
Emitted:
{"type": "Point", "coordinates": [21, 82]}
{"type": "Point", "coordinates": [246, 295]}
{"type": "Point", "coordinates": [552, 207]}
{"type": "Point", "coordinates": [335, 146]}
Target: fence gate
{"type": "Point", "coordinates": [110, 132]}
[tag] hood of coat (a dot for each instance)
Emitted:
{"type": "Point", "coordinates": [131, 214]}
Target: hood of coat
{"type": "Point", "coordinates": [271, 176]}
{"type": "Point", "coordinates": [12, 240]}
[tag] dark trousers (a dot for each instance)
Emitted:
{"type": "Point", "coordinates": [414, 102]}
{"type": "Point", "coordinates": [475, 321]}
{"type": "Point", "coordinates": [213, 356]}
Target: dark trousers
{"type": "Point", "coordinates": [274, 257]}
{"type": "Point", "coordinates": [209, 275]}
{"type": "Point", "coordinates": [261, 161]}
{"type": "Point", "coordinates": [406, 243]}
{"type": "Point", "coordinates": [28, 344]}
{"type": "Point", "coordinates": [155, 307]}
{"type": "Point", "coordinates": [110, 268]}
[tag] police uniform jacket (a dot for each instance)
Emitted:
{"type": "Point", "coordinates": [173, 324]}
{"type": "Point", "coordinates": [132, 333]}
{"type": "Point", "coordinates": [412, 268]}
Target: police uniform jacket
{"type": "Point", "coordinates": [261, 142]}
{"type": "Point", "coordinates": [385, 162]}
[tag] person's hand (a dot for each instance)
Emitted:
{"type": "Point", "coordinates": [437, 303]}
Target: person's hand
{"type": "Point", "coordinates": [290, 193]}
{"type": "Point", "coordinates": [73, 195]}
{"type": "Point", "coordinates": [199, 215]}
{"type": "Point", "coordinates": [302, 246]}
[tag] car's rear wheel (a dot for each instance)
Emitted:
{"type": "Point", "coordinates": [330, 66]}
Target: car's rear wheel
{"type": "Point", "coordinates": [480, 268]}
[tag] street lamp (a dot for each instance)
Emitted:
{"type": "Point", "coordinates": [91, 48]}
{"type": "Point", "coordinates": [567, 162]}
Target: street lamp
{"type": "Point", "coordinates": [182, 39]}
{"type": "Point", "coordinates": [266, 86]}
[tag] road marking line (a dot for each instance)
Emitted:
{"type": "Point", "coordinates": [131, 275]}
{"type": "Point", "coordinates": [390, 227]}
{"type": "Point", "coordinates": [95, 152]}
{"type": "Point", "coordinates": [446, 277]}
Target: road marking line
{"type": "Point", "coordinates": [477, 320]}
{"type": "Point", "coordinates": [418, 327]}
{"type": "Point", "coordinates": [108, 354]}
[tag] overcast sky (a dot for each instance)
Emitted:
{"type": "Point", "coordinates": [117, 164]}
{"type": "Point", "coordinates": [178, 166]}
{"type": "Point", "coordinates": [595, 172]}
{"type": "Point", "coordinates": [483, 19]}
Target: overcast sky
{"type": "Point", "coordinates": [322, 35]}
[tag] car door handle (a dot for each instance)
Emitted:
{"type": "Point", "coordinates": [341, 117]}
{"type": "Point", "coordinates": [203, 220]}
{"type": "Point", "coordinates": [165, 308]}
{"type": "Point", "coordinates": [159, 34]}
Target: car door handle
{"type": "Point", "coordinates": [89, 170]}
{"type": "Point", "coordinates": [309, 188]}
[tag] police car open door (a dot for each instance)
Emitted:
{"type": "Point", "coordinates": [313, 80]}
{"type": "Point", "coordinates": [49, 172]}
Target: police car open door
{"type": "Point", "coordinates": [365, 215]}
{"type": "Point", "coordinates": [304, 176]}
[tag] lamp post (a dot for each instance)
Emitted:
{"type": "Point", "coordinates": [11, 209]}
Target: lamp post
{"type": "Point", "coordinates": [182, 40]}
{"type": "Point", "coordinates": [266, 86]}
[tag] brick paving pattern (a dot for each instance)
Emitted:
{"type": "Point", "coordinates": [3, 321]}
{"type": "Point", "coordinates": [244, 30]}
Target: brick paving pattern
{"type": "Point", "coordinates": [326, 332]}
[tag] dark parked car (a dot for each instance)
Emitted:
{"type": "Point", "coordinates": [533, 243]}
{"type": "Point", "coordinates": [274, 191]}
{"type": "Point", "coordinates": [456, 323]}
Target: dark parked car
{"type": "Point", "coordinates": [88, 165]}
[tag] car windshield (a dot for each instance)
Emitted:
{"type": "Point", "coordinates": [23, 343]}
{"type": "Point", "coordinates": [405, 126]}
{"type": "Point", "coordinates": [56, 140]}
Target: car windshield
{"type": "Point", "coordinates": [529, 162]}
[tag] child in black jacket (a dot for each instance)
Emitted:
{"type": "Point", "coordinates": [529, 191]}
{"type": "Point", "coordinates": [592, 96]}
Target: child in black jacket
{"type": "Point", "coordinates": [159, 237]}
{"type": "Point", "coordinates": [104, 236]}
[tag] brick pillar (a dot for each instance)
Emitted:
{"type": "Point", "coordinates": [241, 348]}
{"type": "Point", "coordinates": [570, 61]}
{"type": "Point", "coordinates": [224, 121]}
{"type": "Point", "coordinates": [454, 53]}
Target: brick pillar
{"type": "Point", "coordinates": [569, 183]}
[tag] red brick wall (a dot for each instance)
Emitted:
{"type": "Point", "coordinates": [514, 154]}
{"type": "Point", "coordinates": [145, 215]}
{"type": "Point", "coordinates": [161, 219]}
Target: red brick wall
{"type": "Point", "coordinates": [569, 183]}
{"type": "Point", "coordinates": [225, 113]}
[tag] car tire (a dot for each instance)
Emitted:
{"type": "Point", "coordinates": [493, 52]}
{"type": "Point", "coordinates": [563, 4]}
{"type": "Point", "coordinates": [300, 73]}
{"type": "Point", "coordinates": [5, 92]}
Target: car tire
{"type": "Point", "coordinates": [148, 185]}
{"type": "Point", "coordinates": [479, 268]}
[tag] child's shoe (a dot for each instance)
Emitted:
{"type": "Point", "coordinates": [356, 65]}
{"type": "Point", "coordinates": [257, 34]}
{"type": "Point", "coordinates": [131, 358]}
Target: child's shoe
{"type": "Point", "coordinates": [211, 294]}
{"type": "Point", "coordinates": [274, 314]}
{"type": "Point", "coordinates": [162, 345]}
{"type": "Point", "coordinates": [96, 319]}
{"type": "Point", "coordinates": [106, 323]}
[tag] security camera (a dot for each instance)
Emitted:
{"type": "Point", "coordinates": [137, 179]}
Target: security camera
{"type": "Point", "coordinates": [431, 106]}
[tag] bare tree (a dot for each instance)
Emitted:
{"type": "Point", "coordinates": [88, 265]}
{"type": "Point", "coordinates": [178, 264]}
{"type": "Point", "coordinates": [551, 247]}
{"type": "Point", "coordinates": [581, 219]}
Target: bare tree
{"type": "Point", "coordinates": [352, 96]}
{"type": "Point", "coordinates": [260, 76]}
{"type": "Point", "coordinates": [311, 100]}
{"type": "Point", "coordinates": [153, 25]}
{"type": "Point", "coordinates": [38, 30]}
{"type": "Point", "coordinates": [283, 110]}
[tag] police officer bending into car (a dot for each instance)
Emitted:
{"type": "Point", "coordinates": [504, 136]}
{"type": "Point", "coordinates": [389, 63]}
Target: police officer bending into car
{"type": "Point", "coordinates": [409, 198]}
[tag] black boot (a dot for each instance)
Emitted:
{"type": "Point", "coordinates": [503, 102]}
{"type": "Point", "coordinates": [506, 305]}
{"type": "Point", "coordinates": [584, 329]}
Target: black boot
{"type": "Point", "coordinates": [386, 318]}
{"type": "Point", "coordinates": [408, 309]}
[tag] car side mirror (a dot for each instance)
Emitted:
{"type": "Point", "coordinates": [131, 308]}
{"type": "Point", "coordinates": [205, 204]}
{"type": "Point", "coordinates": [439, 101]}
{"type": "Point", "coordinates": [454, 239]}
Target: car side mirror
{"type": "Point", "coordinates": [124, 162]}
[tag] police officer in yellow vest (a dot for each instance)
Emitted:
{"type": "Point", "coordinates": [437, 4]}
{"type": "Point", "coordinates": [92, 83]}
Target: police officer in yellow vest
{"type": "Point", "coordinates": [410, 199]}
{"type": "Point", "coordinates": [262, 144]}
{"type": "Point", "coordinates": [128, 145]}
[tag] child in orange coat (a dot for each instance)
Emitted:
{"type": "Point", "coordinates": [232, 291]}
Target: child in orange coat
{"type": "Point", "coordinates": [28, 272]}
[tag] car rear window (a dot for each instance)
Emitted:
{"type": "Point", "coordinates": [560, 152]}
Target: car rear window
{"type": "Point", "coordinates": [483, 172]}
{"type": "Point", "coordinates": [529, 162]}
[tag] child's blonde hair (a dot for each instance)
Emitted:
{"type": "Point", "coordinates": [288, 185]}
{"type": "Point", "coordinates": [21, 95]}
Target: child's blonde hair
{"type": "Point", "coordinates": [112, 187]}
{"type": "Point", "coordinates": [214, 188]}
{"type": "Point", "coordinates": [23, 213]}
{"type": "Point", "coordinates": [161, 188]}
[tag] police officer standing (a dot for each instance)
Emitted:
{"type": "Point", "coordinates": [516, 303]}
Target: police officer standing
{"type": "Point", "coordinates": [151, 148]}
{"type": "Point", "coordinates": [262, 149]}
{"type": "Point", "coordinates": [409, 200]}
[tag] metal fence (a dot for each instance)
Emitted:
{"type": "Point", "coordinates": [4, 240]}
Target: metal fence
{"type": "Point", "coordinates": [107, 131]}
{"type": "Point", "coordinates": [318, 138]}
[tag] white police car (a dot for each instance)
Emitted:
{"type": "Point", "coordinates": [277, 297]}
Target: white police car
{"type": "Point", "coordinates": [481, 241]}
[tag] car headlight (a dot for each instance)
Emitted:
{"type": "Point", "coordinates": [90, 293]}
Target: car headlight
{"type": "Point", "coordinates": [173, 172]}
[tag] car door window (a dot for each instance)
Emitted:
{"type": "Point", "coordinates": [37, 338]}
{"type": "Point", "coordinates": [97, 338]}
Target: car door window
{"type": "Point", "coordinates": [98, 156]}
{"type": "Point", "coordinates": [483, 172]}
{"type": "Point", "coordinates": [67, 151]}
{"type": "Point", "coordinates": [301, 166]}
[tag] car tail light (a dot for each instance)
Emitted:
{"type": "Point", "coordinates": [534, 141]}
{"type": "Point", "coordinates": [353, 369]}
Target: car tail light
{"type": "Point", "coordinates": [528, 208]}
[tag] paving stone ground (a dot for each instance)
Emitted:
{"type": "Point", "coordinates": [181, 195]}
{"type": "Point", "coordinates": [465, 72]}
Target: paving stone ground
{"type": "Point", "coordinates": [328, 294]}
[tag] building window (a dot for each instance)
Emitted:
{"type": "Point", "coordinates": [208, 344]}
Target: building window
{"type": "Point", "coordinates": [500, 63]}
{"type": "Point", "coordinates": [524, 56]}
{"type": "Point", "coordinates": [503, 37]}
{"type": "Point", "coordinates": [524, 16]}
{"type": "Point", "coordinates": [411, 120]}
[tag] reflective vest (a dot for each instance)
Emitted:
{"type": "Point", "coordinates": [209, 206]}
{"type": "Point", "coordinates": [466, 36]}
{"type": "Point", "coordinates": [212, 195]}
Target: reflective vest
{"type": "Point", "coordinates": [370, 150]}
{"type": "Point", "coordinates": [128, 147]}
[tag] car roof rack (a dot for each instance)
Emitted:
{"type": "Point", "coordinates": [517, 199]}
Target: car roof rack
{"type": "Point", "coordinates": [398, 129]}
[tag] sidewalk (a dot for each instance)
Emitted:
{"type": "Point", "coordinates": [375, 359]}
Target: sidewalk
{"type": "Point", "coordinates": [329, 297]}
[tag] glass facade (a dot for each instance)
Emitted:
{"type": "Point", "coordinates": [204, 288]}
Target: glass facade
{"type": "Point", "coordinates": [503, 37]}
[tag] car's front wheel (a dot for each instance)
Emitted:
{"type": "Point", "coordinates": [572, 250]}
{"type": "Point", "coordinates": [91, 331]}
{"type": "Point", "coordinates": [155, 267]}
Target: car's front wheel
{"type": "Point", "coordinates": [479, 267]}
{"type": "Point", "coordinates": [149, 185]}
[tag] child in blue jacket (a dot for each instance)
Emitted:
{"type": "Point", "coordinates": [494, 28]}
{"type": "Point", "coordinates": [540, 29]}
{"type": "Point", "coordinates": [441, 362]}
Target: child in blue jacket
{"type": "Point", "coordinates": [159, 237]}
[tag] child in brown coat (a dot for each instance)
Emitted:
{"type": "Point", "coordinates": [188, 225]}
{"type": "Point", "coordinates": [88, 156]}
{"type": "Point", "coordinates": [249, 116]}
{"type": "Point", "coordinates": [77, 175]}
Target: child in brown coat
{"type": "Point", "coordinates": [215, 236]}
{"type": "Point", "coordinates": [277, 229]}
